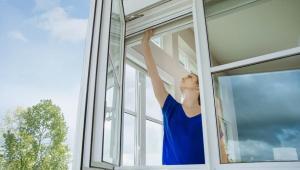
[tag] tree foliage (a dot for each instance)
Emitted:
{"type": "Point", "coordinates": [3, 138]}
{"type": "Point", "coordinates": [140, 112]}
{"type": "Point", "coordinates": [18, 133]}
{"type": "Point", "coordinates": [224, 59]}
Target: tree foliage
{"type": "Point", "coordinates": [34, 138]}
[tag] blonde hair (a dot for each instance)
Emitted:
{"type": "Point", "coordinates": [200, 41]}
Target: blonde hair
{"type": "Point", "coordinates": [199, 101]}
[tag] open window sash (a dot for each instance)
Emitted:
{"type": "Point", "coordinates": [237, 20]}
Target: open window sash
{"type": "Point", "coordinates": [104, 93]}
{"type": "Point", "coordinates": [106, 130]}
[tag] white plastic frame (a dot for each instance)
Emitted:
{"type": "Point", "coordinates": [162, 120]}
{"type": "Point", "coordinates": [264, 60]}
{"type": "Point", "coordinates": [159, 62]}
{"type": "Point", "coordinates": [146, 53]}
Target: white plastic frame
{"type": "Point", "coordinates": [135, 27]}
{"type": "Point", "coordinates": [139, 114]}
{"type": "Point", "coordinates": [94, 75]}
{"type": "Point", "coordinates": [208, 96]}
{"type": "Point", "coordinates": [168, 12]}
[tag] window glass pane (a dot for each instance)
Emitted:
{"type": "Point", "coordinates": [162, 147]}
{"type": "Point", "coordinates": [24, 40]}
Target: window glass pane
{"type": "Point", "coordinates": [128, 140]}
{"type": "Point", "coordinates": [154, 138]}
{"type": "Point", "coordinates": [42, 46]}
{"type": "Point", "coordinates": [112, 111]}
{"type": "Point", "coordinates": [113, 86]}
{"type": "Point", "coordinates": [239, 30]}
{"type": "Point", "coordinates": [186, 51]}
{"type": "Point", "coordinates": [130, 89]}
{"type": "Point", "coordinates": [153, 108]}
{"type": "Point", "coordinates": [116, 37]}
{"type": "Point", "coordinates": [157, 41]}
{"type": "Point", "coordinates": [258, 113]}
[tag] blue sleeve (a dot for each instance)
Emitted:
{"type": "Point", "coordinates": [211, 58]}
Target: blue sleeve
{"type": "Point", "coordinates": [169, 106]}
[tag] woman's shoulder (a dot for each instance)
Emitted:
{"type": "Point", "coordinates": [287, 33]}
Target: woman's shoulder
{"type": "Point", "coordinates": [171, 99]}
{"type": "Point", "coordinates": [170, 106]}
{"type": "Point", "coordinates": [170, 102]}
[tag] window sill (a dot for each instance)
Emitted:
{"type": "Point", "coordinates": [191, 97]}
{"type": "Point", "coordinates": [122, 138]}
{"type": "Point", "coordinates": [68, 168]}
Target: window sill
{"type": "Point", "coordinates": [164, 167]}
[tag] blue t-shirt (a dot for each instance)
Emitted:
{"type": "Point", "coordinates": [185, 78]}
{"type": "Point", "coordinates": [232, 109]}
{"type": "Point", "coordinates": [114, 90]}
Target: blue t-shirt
{"type": "Point", "coordinates": [183, 136]}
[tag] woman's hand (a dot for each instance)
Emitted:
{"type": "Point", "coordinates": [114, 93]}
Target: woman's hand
{"type": "Point", "coordinates": [147, 36]}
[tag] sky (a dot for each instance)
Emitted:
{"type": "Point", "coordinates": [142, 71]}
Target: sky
{"type": "Point", "coordinates": [267, 112]}
{"type": "Point", "coordinates": [42, 45]}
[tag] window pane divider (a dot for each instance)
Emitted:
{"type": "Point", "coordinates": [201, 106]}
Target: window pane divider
{"type": "Point", "coordinates": [154, 120]}
{"type": "Point", "coordinates": [132, 113]}
{"type": "Point", "coordinates": [256, 60]}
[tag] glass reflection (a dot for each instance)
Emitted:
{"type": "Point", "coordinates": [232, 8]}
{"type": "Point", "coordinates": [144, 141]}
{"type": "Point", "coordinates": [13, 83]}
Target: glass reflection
{"type": "Point", "coordinates": [154, 138]}
{"type": "Point", "coordinates": [257, 112]}
{"type": "Point", "coordinates": [128, 140]}
{"type": "Point", "coordinates": [112, 111]}
{"type": "Point", "coordinates": [130, 89]}
{"type": "Point", "coordinates": [153, 108]}
{"type": "Point", "coordinates": [113, 86]}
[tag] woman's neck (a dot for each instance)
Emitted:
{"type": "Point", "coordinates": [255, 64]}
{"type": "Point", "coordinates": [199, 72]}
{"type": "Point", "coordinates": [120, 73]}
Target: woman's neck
{"type": "Point", "coordinates": [190, 100]}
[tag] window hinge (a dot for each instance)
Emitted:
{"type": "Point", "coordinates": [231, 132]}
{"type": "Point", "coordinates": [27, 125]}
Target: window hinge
{"type": "Point", "coordinates": [133, 17]}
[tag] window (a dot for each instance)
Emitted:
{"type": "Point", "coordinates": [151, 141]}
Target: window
{"type": "Point", "coordinates": [154, 140]}
{"type": "Point", "coordinates": [129, 140]}
{"type": "Point", "coordinates": [257, 111]}
{"type": "Point", "coordinates": [219, 66]}
{"type": "Point", "coordinates": [141, 129]}
{"type": "Point", "coordinates": [186, 50]}
{"type": "Point", "coordinates": [254, 65]}
{"type": "Point", "coordinates": [130, 86]}
{"type": "Point", "coordinates": [183, 59]}
{"type": "Point", "coordinates": [187, 62]}
{"type": "Point", "coordinates": [104, 107]}
{"type": "Point", "coordinates": [129, 132]}
{"type": "Point", "coordinates": [149, 127]}
{"type": "Point", "coordinates": [111, 117]}
{"type": "Point", "coordinates": [153, 108]}
{"type": "Point", "coordinates": [154, 127]}
{"type": "Point", "coordinates": [158, 41]}
{"type": "Point", "coordinates": [42, 47]}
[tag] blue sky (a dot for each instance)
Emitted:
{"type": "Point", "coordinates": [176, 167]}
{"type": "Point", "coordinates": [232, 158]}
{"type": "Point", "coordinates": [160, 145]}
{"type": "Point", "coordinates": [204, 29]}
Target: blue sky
{"type": "Point", "coordinates": [42, 46]}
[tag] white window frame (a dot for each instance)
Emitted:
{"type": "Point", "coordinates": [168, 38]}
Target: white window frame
{"type": "Point", "coordinates": [94, 74]}
{"type": "Point", "coordinates": [154, 18]}
{"type": "Point", "coordinates": [87, 86]}
{"type": "Point", "coordinates": [206, 87]}
{"type": "Point", "coordinates": [140, 113]}
{"type": "Point", "coordinates": [157, 17]}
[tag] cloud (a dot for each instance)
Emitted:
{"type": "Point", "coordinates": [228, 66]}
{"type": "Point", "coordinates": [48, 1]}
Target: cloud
{"type": "Point", "coordinates": [266, 111]}
{"type": "Point", "coordinates": [42, 5]}
{"type": "Point", "coordinates": [255, 150]}
{"type": "Point", "coordinates": [17, 35]}
{"type": "Point", "coordinates": [62, 26]}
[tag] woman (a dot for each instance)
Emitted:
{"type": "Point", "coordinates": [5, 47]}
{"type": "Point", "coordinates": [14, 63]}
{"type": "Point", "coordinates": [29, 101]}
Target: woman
{"type": "Point", "coordinates": [183, 138]}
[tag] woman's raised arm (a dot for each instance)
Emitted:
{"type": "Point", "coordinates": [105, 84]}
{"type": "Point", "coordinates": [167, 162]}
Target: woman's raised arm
{"type": "Point", "coordinates": [158, 86]}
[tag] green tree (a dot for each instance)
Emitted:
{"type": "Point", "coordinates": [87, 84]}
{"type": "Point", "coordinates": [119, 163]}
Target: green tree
{"type": "Point", "coordinates": [34, 138]}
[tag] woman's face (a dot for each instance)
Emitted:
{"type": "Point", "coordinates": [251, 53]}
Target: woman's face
{"type": "Point", "coordinates": [189, 82]}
